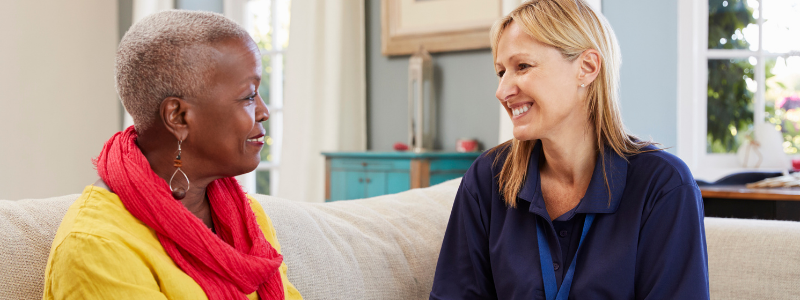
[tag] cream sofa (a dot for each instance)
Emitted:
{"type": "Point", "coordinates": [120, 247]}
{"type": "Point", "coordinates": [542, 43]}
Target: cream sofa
{"type": "Point", "coordinates": [386, 247]}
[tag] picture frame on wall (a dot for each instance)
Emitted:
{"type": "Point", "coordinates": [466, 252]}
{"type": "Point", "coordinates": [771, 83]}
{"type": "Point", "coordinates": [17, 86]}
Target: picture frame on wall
{"type": "Point", "coordinates": [437, 25]}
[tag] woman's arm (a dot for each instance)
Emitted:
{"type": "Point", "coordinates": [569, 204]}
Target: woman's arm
{"type": "Point", "coordinates": [672, 261]}
{"type": "Point", "coordinates": [463, 270]}
{"type": "Point", "coordinates": [86, 266]}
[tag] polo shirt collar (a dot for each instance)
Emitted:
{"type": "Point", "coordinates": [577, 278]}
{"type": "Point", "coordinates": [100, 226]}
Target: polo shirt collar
{"type": "Point", "coordinates": [596, 199]}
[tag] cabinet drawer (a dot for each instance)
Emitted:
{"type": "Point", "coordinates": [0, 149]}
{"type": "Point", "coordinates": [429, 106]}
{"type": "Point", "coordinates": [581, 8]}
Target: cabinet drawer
{"type": "Point", "coordinates": [347, 185]}
{"type": "Point", "coordinates": [354, 164]}
{"type": "Point", "coordinates": [358, 184]}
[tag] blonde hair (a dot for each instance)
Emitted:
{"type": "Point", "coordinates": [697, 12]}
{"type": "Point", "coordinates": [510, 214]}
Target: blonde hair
{"type": "Point", "coordinates": [166, 55]}
{"type": "Point", "coordinates": [571, 26]}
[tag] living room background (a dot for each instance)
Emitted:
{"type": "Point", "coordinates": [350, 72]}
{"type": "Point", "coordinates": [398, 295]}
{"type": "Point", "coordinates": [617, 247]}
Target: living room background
{"type": "Point", "coordinates": [54, 157]}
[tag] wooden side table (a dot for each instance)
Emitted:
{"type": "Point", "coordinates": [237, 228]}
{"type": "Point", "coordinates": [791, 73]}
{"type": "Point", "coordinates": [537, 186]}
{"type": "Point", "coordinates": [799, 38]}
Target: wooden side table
{"type": "Point", "coordinates": [356, 175]}
{"type": "Point", "coordinates": [738, 201]}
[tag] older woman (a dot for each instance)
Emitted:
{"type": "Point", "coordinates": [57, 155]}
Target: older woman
{"type": "Point", "coordinates": [574, 206]}
{"type": "Point", "coordinates": [166, 220]}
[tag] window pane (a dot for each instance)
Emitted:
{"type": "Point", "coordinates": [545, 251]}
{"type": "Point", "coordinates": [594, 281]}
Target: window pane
{"type": "Point", "coordinates": [264, 88]}
{"type": "Point", "coordinates": [276, 76]}
{"type": "Point", "coordinates": [262, 182]}
{"type": "Point", "coordinates": [782, 99]}
{"type": "Point", "coordinates": [782, 25]}
{"type": "Point", "coordinates": [275, 139]}
{"type": "Point", "coordinates": [266, 150]}
{"type": "Point", "coordinates": [260, 28]}
{"type": "Point", "coordinates": [731, 90]}
{"type": "Point", "coordinates": [731, 24]}
{"type": "Point", "coordinates": [259, 22]}
{"type": "Point", "coordinates": [284, 6]}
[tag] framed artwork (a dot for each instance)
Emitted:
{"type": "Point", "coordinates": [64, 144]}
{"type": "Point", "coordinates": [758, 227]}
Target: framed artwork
{"type": "Point", "coordinates": [437, 25]}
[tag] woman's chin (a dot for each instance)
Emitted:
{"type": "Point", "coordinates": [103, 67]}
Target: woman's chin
{"type": "Point", "coordinates": [523, 134]}
{"type": "Point", "coordinates": [252, 165]}
{"type": "Point", "coordinates": [248, 167]}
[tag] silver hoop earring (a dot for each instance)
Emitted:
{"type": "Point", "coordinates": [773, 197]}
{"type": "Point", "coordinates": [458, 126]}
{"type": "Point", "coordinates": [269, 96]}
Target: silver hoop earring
{"type": "Point", "coordinates": [179, 192]}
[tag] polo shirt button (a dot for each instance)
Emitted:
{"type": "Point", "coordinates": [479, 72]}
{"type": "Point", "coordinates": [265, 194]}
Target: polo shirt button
{"type": "Point", "coordinates": [555, 266]}
{"type": "Point", "coordinates": [563, 233]}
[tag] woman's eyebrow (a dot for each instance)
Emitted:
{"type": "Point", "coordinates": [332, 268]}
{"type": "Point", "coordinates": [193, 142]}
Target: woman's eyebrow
{"type": "Point", "coordinates": [513, 57]}
{"type": "Point", "coordinates": [520, 55]}
{"type": "Point", "coordinates": [256, 78]}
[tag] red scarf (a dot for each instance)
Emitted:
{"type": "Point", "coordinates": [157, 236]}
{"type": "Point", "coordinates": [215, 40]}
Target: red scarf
{"type": "Point", "coordinates": [235, 262]}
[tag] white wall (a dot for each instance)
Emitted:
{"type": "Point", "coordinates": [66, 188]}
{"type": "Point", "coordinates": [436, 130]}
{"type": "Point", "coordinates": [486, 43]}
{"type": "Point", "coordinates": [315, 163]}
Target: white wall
{"type": "Point", "coordinates": [57, 99]}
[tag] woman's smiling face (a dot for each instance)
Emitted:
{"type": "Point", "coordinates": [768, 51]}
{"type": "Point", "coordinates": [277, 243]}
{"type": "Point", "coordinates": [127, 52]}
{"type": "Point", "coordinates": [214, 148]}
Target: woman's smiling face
{"type": "Point", "coordinates": [538, 87]}
{"type": "Point", "coordinates": [226, 132]}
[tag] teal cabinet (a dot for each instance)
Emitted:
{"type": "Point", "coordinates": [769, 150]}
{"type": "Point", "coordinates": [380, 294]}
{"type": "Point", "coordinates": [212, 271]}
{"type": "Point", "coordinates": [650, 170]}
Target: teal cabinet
{"type": "Point", "coordinates": [356, 175]}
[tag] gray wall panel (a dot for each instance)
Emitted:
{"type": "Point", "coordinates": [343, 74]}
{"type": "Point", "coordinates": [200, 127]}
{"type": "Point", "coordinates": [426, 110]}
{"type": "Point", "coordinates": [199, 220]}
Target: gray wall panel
{"type": "Point", "coordinates": [465, 85]}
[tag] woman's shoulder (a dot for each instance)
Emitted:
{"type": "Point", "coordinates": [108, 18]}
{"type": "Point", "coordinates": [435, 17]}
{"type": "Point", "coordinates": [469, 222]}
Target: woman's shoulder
{"type": "Point", "coordinates": [97, 209]}
{"type": "Point", "coordinates": [491, 161]}
{"type": "Point", "coordinates": [96, 233]}
{"type": "Point", "coordinates": [663, 161]}
{"type": "Point", "coordinates": [480, 179]}
{"type": "Point", "coordinates": [99, 213]}
{"type": "Point", "coordinates": [659, 170]}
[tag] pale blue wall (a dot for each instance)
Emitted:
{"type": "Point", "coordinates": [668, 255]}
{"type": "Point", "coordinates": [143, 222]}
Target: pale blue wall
{"type": "Point", "coordinates": [647, 31]}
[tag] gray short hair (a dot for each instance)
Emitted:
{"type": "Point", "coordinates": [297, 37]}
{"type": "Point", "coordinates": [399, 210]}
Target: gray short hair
{"type": "Point", "coordinates": [166, 55]}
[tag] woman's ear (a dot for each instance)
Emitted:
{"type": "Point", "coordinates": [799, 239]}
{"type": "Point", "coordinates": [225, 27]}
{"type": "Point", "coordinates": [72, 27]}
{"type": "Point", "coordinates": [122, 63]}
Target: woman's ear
{"type": "Point", "coordinates": [590, 63]}
{"type": "Point", "coordinates": [173, 113]}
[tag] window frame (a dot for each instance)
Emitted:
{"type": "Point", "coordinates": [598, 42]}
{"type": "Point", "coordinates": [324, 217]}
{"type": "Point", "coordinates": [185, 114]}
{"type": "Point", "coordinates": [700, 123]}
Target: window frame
{"type": "Point", "coordinates": [237, 11]}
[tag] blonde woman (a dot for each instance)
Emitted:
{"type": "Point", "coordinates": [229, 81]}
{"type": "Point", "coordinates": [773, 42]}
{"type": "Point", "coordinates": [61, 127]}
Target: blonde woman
{"type": "Point", "coordinates": [574, 206]}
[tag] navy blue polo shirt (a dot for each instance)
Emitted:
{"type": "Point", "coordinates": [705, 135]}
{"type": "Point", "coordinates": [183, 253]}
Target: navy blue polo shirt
{"type": "Point", "coordinates": [647, 240]}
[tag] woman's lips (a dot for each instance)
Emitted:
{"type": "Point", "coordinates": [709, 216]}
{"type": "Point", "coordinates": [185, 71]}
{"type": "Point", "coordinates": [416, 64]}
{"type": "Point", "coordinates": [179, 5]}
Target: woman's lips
{"type": "Point", "coordinates": [256, 140]}
{"type": "Point", "coordinates": [520, 111]}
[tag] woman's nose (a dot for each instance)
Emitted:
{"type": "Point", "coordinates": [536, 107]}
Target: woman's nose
{"type": "Point", "coordinates": [262, 111]}
{"type": "Point", "coordinates": [506, 89]}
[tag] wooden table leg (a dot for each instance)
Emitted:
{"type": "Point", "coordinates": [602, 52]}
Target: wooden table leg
{"type": "Point", "coordinates": [420, 173]}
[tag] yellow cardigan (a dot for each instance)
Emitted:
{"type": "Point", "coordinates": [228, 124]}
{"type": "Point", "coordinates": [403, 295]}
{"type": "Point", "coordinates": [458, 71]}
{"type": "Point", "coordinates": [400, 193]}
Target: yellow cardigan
{"type": "Point", "coordinates": [101, 251]}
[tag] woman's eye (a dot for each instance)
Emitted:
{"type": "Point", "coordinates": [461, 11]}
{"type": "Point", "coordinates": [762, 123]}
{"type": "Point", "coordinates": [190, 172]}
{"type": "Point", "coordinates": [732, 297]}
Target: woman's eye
{"type": "Point", "coordinates": [500, 74]}
{"type": "Point", "coordinates": [251, 97]}
{"type": "Point", "coordinates": [523, 66]}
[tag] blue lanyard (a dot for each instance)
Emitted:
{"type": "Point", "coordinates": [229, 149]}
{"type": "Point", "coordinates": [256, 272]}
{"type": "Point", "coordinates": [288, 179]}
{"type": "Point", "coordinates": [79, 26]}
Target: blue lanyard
{"type": "Point", "coordinates": [546, 260]}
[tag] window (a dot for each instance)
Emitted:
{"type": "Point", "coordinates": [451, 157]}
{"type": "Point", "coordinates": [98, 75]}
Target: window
{"type": "Point", "coordinates": [752, 74]}
{"type": "Point", "coordinates": [739, 66]}
{"type": "Point", "coordinates": [267, 21]}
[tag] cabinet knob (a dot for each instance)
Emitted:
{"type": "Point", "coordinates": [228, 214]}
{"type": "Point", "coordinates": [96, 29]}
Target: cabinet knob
{"type": "Point", "coordinates": [367, 180]}
{"type": "Point", "coordinates": [361, 180]}
{"type": "Point", "coordinates": [363, 164]}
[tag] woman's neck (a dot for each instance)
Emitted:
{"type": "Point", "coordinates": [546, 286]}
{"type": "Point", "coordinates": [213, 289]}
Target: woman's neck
{"type": "Point", "coordinates": [570, 158]}
{"type": "Point", "coordinates": [160, 156]}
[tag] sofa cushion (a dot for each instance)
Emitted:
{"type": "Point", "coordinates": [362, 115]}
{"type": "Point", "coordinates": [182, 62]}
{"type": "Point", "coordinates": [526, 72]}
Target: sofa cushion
{"type": "Point", "coordinates": [379, 248]}
{"type": "Point", "coordinates": [27, 229]}
{"type": "Point", "coordinates": [753, 259]}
